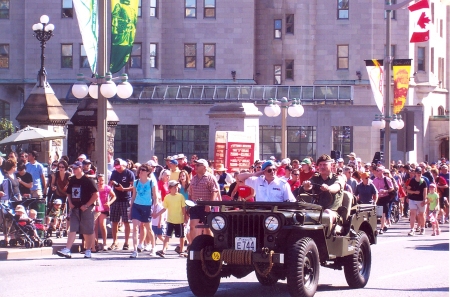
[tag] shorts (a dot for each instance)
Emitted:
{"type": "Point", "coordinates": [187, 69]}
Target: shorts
{"type": "Point", "coordinates": [142, 213]}
{"type": "Point", "coordinates": [178, 228]}
{"type": "Point", "coordinates": [198, 213]}
{"type": "Point", "coordinates": [157, 231]}
{"type": "Point", "coordinates": [119, 210]}
{"type": "Point", "coordinates": [415, 205]}
{"type": "Point", "coordinates": [82, 221]}
{"type": "Point", "coordinates": [385, 202]}
{"type": "Point", "coordinates": [442, 200]}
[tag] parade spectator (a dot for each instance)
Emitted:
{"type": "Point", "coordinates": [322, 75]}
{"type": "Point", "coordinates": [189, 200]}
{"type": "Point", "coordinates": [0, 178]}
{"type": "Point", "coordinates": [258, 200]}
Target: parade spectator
{"type": "Point", "coordinates": [295, 164]}
{"type": "Point", "coordinates": [183, 165]}
{"type": "Point", "coordinates": [60, 182]}
{"type": "Point", "coordinates": [294, 181]}
{"type": "Point", "coordinates": [365, 191]}
{"type": "Point", "coordinates": [163, 183]}
{"type": "Point", "coordinates": [10, 185]}
{"type": "Point", "coordinates": [224, 179]}
{"type": "Point", "coordinates": [106, 198]}
{"type": "Point", "coordinates": [287, 173]}
{"type": "Point", "coordinates": [281, 169]}
{"type": "Point", "coordinates": [158, 222]}
{"type": "Point", "coordinates": [184, 180]}
{"type": "Point", "coordinates": [82, 157]}
{"type": "Point", "coordinates": [121, 181]}
{"type": "Point", "coordinates": [81, 195]}
{"type": "Point", "coordinates": [306, 171]}
{"type": "Point", "coordinates": [442, 190]}
{"type": "Point", "coordinates": [417, 191]}
{"type": "Point", "coordinates": [25, 180]}
{"type": "Point", "coordinates": [37, 172]}
{"type": "Point", "coordinates": [192, 164]}
{"type": "Point", "coordinates": [174, 171]}
{"type": "Point", "coordinates": [445, 174]}
{"type": "Point", "coordinates": [348, 172]}
{"type": "Point", "coordinates": [340, 163]}
{"type": "Point", "coordinates": [143, 197]}
{"type": "Point", "coordinates": [433, 204]}
{"type": "Point", "coordinates": [351, 159]}
{"type": "Point", "coordinates": [204, 187]}
{"type": "Point", "coordinates": [244, 192]}
{"type": "Point", "coordinates": [357, 176]}
{"type": "Point", "coordinates": [384, 186]}
{"type": "Point", "coordinates": [268, 187]}
{"type": "Point", "coordinates": [233, 185]}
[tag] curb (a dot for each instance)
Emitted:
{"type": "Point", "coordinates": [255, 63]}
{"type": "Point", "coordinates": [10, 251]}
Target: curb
{"type": "Point", "coordinates": [22, 253]}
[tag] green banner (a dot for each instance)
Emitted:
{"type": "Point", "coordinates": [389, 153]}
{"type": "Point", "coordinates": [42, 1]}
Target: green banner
{"type": "Point", "coordinates": [123, 31]}
{"type": "Point", "coordinates": [86, 11]}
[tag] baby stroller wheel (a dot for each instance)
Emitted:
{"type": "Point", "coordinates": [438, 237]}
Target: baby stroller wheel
{"type": "Point", "coordinates": [20, 241]}
{"type": "Point", "coordinates": [49, 233]}
{"type": "Point", "coordinates": [13, 242]}
{"type": "Point", "coordinates": [48, 242]}
{"type": "Point", "coordinates": [37, 243]}
{"type": "Point", "coordinates": [29, 244]}
{"type": "Point", "coordinates": [2, 243]}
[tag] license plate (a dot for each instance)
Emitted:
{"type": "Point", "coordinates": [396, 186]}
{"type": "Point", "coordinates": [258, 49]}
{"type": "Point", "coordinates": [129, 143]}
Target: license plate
{"type": "Point", "coordinates": [245, 244]}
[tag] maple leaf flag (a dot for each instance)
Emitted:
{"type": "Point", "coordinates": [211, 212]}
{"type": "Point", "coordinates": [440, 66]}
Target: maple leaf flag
{"type": "Point", "coordinates": [420, 13]}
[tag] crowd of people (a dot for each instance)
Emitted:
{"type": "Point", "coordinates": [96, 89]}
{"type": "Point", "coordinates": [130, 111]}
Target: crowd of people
{"type": "Point", "coordinates": [148, 200]}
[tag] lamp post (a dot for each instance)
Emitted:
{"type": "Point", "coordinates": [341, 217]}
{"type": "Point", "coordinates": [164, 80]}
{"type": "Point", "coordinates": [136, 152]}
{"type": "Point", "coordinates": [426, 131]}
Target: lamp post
{"type": "Point", "coordinates": [43, 31]}
{"type": "Point", "coordinates": [108, 89]}
{"type": "Point", "coordinates": [284, 106]}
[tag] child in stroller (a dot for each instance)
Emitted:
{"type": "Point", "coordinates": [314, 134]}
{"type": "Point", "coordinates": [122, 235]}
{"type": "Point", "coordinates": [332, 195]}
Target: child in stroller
{"type": "Point", "coordinates": [24, 232]}
{"type": "Point", "coordinates": [55, 219]}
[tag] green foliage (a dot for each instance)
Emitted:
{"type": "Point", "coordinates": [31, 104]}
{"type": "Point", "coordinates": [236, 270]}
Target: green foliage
{"type": "Point", "coordinates": [6, 128]}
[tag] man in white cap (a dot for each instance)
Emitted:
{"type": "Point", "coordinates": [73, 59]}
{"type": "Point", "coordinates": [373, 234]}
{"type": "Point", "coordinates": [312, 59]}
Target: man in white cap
{"type": "Point", "coordinates": [351, 159]}
{"type": "Point", "coordinates": [183, 165]}
{"type": "Point", "coordinates": [82, 157]}
{"type": "Point", "coordinates": [268, 187]}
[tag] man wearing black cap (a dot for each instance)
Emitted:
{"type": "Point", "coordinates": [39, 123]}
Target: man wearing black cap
{"type": "Point", "coordinates": [327, 185]}
{"type": "Point", "coordinates": [417, 194]}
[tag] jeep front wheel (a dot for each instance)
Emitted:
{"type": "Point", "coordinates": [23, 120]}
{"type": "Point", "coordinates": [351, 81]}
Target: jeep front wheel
{"type": "Point", "coordinates": [199, 282]}
{"type": "Point", "coordinates": [357, 266]}
{"type": "Point", "coordinates": [302, 268]}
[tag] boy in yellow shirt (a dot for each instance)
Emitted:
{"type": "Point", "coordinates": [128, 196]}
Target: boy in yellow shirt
{"type": "Point", "coordinates": [433, 202]}
{"type": "Point", "coordinates": [175, 205]}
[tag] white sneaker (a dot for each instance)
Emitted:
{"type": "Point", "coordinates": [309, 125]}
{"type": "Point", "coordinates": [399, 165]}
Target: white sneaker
{"type": "Point", "coordinates": [152, 253]}
{"type": "Point", "coordinates": [147, 248]}
{"type": "Point", "coordinates": [65, 252]}
{"type": "Point", "coordinates": [134, 254]}
{"type": "Point", "coordinates": [139, 248]}
{"type": "Point", "coordinates": [87, 254]}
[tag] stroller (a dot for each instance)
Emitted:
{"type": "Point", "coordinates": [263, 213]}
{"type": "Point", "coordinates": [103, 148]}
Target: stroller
{"type": "Point", "coordinates": [56, 219]}
{"type": "Point", "coordinates": [23, 233]}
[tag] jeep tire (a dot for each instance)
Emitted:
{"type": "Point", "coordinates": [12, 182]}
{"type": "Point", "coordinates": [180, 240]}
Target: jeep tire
{"type": "Point", "coordinates": [357, 266]}
{"type": "Point", "coordinates": [302, 263]}
{"type": "Point", "coordinates": [199, 282]}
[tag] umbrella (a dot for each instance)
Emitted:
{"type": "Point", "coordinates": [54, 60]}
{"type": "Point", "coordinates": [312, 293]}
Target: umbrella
{"type": "Point", "coordinates": [31, 134]}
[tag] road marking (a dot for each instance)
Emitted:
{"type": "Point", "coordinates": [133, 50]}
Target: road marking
{"type": "Point", "coordinates": [406, 271]}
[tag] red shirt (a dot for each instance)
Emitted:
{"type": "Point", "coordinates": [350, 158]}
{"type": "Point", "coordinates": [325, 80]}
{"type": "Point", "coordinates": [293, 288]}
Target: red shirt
{"type": "Point", "coordinates": [305, 176]}
{"type": "Point", "coordinates": [245, 191]}
{"type": "Point", "coordinates": [294, 185]}
{"type": "Point", "coordinates": [163, 188]}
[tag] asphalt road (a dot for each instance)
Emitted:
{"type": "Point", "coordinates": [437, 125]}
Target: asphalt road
{"type": "Point", "coordinates": [401, 266]}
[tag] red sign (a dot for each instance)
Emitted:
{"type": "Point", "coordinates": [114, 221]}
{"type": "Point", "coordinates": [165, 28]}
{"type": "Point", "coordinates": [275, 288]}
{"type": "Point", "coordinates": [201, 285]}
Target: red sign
{"type": "Point", "coordinates": [219, 153]}
{"type": "Point", "coordinates": [239, 156]}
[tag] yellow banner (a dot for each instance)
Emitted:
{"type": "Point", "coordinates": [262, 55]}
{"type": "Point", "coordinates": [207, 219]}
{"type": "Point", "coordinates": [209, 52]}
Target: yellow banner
{"type": "Point", "coordinates": [402, 70]}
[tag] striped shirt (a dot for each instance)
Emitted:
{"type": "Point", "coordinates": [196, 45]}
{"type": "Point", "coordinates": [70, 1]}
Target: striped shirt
{"type": "Point", "coordinates": [203, 187]}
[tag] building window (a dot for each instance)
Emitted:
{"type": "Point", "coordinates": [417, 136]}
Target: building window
{"type": "Point", "coordinates": [139, 14]}
{"type": "Point", "coordinates": [393, 12]}
{"type": "Point", "coordinates": [190, 55]}
{"type": "Point", "coordinates": [301, 142]}
{"type": "Point", "coordinates": [441, 110]}
{"type": "Point", "coordinates": [66, 56]}
{"type": "Point", "coordinates": [342, 139]}
{"type": "Point", "coordinates": [67, 9]}
{"type": "Point", "coordinates": [189, 139]}
{"type": "Point", "coordinates": [277, 25]}
{"type": "Point", "coordinates": [289, 24]}
{"type": "Point", "coordinates": [421, 58]}
{"type": "Point", "coordinates": [4, 110]}
{"type": "Point", "coordinates": [153, 8]}
{"type": "Point", "coordinates": [289, 69]}
{"type": "Point", "coordinates": [441, 67]}
{"type": "Point", "coordinates": [4, 9]}
{"type": "Point", "coordinates": [84, 62]}
{"type": "Point", "coordinates": [432, 12]}
{"type": "Point", "coordinates": [136, 56]}
{"type": "Point", "coordinates": [126, 142]}
{"type": "Point", "coordinates": [209, 55]}
{"type": "Point", "coordinates": [4, 55]}
{"type": "Point", "coordinates": [432, 59]}
{"type": "Point", "coordinates": [342, 9]}
{"type": "Point", "coordinates": [153, 55]}
{"type": "Point", "coordinates": [441, 28]}
{"type": "Point", "coordinates": [190, 8]}
{"type": "Point", "coordinates": [277, 74]}
{"type": "Point", "coordinates": [342, 56]}
{"type": "Point", "coordinates": [210, 9]}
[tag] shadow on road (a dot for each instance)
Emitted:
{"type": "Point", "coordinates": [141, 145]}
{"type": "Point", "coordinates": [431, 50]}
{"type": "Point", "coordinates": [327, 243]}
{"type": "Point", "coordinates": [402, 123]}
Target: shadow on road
{"type": "Point", "coordinates": [433, 247]}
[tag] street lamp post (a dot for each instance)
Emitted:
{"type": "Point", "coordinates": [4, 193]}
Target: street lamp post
{"type": "Point", "coordinates": [43, 31]}
{"type": "Point", "coordinates": [108, 89]}
{"type": "Point", "coordinates": [284, 106]}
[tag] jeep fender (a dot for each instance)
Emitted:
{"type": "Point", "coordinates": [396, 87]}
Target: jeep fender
{"type": "Point", "coordinates": [316, 233]}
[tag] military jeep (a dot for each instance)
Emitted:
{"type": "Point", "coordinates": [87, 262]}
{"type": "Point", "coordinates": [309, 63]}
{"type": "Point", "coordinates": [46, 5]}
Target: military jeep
{"type": "Point", "coordinates": [281, 240]}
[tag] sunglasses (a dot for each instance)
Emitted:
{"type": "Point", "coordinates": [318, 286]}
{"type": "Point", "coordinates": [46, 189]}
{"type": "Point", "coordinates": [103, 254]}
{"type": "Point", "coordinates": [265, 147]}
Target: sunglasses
{"type": "Point", "coordinates": [258, 166]}
{"type": "Point", "coordinates": [270, 170]}
{"type": "Point", "coordinates": [143, 170]}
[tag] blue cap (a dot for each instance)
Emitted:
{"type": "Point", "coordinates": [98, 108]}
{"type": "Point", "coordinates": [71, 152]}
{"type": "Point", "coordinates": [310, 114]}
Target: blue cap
{"type": "Point", "coordinates": [267, 164]}
{"type": "Point", "coordinates": [175, 162]}
{"type": "Point", "coordinates": [77, 164]}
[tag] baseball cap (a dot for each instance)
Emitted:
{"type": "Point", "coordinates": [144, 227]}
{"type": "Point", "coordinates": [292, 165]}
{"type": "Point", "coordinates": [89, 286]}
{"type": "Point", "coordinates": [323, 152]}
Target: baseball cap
{"type": "Point", "coordinates": [286, 161]}
{"type": "Point", "coordinates": [20, 208]}
{"type": "Point", "coordinates": [57, 201]}
{"type": "Point", "coordinates": [418, 170]}
{"type": "Point", "coordinates": [87, 161]}
{"type": "Point", "coordinates": [272, 158]}
{"type": "Point", "coordinates": [76, 164]}
{"type": "Point", "coordinates": [175, 162]}
{"type": "Point", "coordinates": [306, 161]}
{"type": "Point", "coordinates": [82, 156]}
{"type": "Point", "coordinates": [432, 185]}
{"type": "Point", "coordinates": [202, 161]}
{"type": "Point", "coordinates": [173, 183]}
{"type": "Point", "coordinates": [267, 164]}
{"type": "Point", "coordinates": [352, 155]}
{"type": "Point", "coordinates": [364, 175]}
{"type": "Point", "coordinates": [340, 160]}
{"type": "Point", "coordinates": [152, 163]}
{"type": "Point", "coordinates": [119, 161]}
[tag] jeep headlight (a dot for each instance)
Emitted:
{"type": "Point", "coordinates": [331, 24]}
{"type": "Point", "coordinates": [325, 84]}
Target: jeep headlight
{"type": "Point", "coordinates": [271, 223]}
{"type": "Point", "coordinates": [218, 223]}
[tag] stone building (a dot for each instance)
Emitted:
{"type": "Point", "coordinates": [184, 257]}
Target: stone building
{"type": "Point", "coordinates": [201, 66]}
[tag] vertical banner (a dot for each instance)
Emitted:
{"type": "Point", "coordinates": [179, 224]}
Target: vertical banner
{"type": "Point", "coordinates": [123, 31]}
{"type": "Point", "coordinates": [376, 75]}
{"type": "Point", "coordinates": [86, 11]}
{"type": "Point", "coordinates": [402, 70]}
{"type": "Point", "coordinates": [420, 15]}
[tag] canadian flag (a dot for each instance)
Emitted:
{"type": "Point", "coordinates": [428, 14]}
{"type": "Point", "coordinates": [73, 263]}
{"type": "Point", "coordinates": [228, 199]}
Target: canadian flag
{"type": "Point", "coordinates": [420, 13]}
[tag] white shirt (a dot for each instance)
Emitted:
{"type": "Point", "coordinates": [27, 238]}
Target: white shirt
{"type": "Point", "coordinates": [277, 191]}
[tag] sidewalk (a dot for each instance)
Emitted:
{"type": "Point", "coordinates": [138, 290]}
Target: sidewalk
{"type": "Point", "coordinates": [20, 252]}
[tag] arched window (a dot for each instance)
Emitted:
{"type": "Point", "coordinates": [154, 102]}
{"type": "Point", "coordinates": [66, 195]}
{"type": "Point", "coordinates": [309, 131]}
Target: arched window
{"type": "Point", "coordinates": [441, 110]}
{"type": "Point", "coordinates": [4, 110]}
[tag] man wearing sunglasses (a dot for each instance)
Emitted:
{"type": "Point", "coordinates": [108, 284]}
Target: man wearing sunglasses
{"type": "Point", "coordinates": [268, 187]}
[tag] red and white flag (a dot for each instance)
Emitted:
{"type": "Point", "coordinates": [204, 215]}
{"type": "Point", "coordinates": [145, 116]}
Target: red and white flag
{"type": "Point", "coordinates": [420, 14]}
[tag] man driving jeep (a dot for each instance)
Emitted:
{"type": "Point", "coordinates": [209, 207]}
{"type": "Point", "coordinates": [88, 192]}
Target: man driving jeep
{"type": "Point", "coordinates": [327, 185]}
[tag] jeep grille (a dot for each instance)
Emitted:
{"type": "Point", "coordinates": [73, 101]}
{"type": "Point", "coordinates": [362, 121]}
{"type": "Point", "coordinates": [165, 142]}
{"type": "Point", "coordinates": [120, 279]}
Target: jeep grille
{"type": "Point", "coordinates": [246, 225]}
